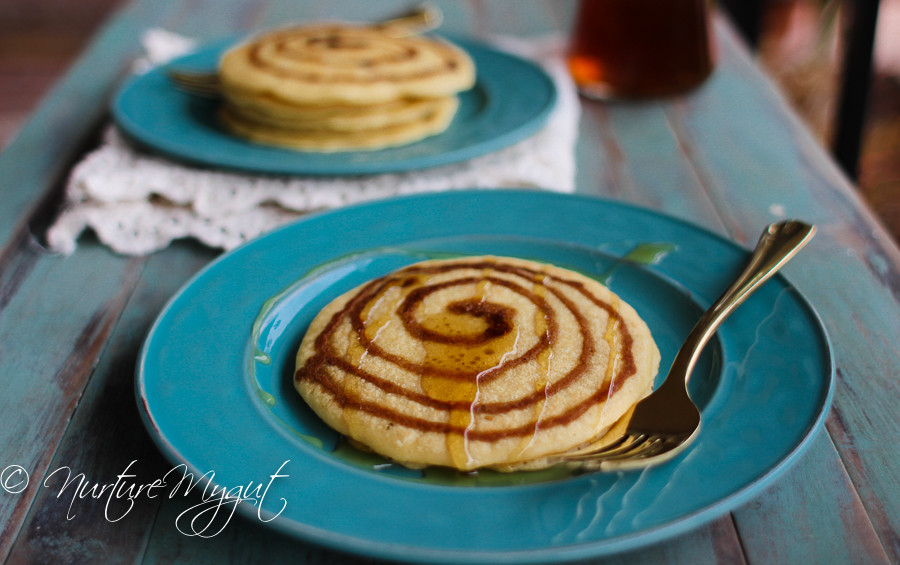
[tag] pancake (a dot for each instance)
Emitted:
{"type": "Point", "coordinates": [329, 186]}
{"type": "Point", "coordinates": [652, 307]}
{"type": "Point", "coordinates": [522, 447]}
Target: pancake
{"type": "Point", "coordinates": [476, 362]}
{"type": "Point", "coordinates": [431, 123]}
{"type": "Point", "coordinates": [345, 64]}
{"type": "Point", "coordinates": [271, 112]}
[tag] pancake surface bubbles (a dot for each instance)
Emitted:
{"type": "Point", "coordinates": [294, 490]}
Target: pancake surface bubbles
{"type": "Point", "coordinates": [476, 362]}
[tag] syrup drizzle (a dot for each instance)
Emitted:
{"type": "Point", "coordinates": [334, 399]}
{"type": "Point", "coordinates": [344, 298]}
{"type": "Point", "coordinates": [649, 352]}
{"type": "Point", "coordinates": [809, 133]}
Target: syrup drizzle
{"type": "Point", "coordinates": [465, 344]}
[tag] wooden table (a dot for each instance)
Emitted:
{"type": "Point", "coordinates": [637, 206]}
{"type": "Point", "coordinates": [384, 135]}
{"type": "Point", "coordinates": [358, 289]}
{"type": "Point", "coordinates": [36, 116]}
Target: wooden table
{"type": "Point", "coordinates": [731, 157]}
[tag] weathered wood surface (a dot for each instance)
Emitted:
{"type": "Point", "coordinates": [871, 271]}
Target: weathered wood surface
{"type": "Point", "coordinates": [730, 156]}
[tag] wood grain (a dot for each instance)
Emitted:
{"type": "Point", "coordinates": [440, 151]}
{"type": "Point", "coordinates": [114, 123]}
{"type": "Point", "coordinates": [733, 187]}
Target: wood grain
{"type": "Point", "coordinates": [821, 498]}
{"type": "Point", "coordinates": [106, 437]}
{"type": "Point", "coordinates": [52, 331]}
{"type": "Point", "coordinates": [49, 346]}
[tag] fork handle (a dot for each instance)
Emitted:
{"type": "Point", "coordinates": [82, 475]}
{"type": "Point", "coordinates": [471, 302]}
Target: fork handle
{"type": "Point", "coordinates": [778, 243]}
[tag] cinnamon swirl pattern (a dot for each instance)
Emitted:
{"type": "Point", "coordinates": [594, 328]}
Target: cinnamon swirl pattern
{"type": "Point", "coordinates": [333, 87]}
{"type": "Point", "coordinates": [476, 362]}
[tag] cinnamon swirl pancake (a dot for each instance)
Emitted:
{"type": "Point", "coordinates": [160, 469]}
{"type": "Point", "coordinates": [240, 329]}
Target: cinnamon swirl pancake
{"type": "Point", "coordinates": [322, 64]}
{"type": "Point", "coordinates": [333, 87]}
{"type": "Point", "coordinates": [476, 362]}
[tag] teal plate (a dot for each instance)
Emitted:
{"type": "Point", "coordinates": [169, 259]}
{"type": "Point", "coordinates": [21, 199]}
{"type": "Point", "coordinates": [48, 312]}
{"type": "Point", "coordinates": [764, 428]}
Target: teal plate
{"type": "Point", "coordinates": [512, 98]}
{"type": "Point", "coordinates": [214, 381]}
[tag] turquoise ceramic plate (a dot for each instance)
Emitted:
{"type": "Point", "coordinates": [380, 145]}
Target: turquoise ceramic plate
{"type": "Point", "coordinates": [511, 100]}
{"type": "Point", "coordinates": [214, 381]}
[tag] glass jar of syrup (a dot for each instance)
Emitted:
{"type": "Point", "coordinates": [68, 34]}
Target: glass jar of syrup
{"type": "Point", "coordinates": [640, 48]}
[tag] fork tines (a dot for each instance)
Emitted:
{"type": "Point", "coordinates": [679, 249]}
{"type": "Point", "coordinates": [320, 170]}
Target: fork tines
{"type": "Point", "coordinates": [627, 451]}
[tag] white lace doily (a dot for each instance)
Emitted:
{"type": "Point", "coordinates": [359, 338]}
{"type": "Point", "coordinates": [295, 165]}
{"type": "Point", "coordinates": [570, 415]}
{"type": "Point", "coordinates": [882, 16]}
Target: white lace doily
{"type": "Point", "coordinates": [138, 203]}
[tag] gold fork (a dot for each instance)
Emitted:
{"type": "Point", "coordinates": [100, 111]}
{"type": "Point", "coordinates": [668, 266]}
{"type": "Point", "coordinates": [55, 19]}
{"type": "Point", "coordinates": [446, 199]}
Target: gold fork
{"type": "Point", "coordinates": [418, 20]}
{"type": "Point", "coordinates": [664, 423]}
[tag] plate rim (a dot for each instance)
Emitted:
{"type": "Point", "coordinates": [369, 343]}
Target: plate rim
{"type": "Point", "coordinates": [345, 543]}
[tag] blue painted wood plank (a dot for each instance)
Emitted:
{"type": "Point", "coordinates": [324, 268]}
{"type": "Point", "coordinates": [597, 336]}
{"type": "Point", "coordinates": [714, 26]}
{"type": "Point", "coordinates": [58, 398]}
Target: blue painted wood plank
{"type": "Point", "coordinates": [208, 20]}
{"type": "Point", "coordinates": [106, 438]}
{"type": "Point", "coordinates": [756, 159]}
{"type": "Point", "coordinates": [638, 156]}
{"type": "Point", "coordinates": [51, 333]}
{"type": "Point", "coordinates": [823, 501]}
{"type": "Point", "coordinates": [56, 314]}
{"type": "Point", "coordinates": [522, 19]}
{"type": "Point", "coordinates": [245, 541]}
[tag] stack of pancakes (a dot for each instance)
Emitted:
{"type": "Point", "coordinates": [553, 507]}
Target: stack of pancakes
{"type": "Point", "coordinates": [476, 362]}
{"type": "Point", "coordinates": [338, 87]}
